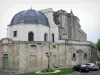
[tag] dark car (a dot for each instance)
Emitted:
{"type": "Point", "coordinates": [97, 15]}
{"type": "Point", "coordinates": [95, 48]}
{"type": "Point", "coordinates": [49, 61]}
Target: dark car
{"type": "Point", "coordinates": [81, 68]}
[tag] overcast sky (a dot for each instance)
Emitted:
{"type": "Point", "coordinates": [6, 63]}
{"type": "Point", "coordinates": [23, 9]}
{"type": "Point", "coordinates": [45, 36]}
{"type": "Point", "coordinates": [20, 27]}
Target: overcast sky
{"type": "Point", "coordinates": [88, 12]}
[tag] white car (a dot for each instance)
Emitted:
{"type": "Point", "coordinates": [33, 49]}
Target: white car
{"type": "Point", "coordinates": [97, 63]}
{"type": "Point", "coordinates": [92, 66]}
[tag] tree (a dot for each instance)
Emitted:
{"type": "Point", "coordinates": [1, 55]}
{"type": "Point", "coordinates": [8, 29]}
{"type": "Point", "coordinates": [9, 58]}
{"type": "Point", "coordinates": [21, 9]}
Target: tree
{"type": "Point", "coordinates": [98, 45]}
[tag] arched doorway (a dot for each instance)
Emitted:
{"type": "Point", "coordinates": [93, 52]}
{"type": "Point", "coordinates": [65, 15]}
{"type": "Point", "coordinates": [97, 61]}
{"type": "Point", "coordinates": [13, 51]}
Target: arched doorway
{"type": "Point", "coordinates": [30, 36]}
{"type": "Point", "coordinates": [80, 57]}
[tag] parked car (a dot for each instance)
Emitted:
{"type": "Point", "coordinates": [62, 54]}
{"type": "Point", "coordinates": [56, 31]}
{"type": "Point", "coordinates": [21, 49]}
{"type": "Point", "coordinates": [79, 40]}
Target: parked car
{"type": "Point", "coordinates": [97, 63]}
{"type": "Point", "coordinates": [92, 66]}
{"type": "Point", "coordinates": [81, 68]}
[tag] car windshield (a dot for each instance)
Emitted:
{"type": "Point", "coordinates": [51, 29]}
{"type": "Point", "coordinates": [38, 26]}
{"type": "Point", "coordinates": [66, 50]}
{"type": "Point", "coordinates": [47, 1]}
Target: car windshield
{"type": "Point", "coordinates": [90, 64]}
{"type": "Point", "coordinates": [78, 65]}
{"type": "Point", "coordinates": [87, 64]}
{"type": "Point", "coordinates": [97, 62]}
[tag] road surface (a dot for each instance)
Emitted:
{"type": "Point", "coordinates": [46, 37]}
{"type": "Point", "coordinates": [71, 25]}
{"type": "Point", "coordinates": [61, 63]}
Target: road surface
{"type": "Point", "coordinates": [85, 73]}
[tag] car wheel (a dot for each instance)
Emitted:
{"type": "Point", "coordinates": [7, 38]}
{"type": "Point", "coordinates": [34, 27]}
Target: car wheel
{"type": "Point", "coordinates": [97, 69]}
{"type": "Point", "coordinates": [80, 70]}
{"type": "Point", "coordinates": [88, 70]}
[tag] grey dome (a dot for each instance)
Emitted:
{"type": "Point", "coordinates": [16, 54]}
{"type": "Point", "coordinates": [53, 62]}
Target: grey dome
{"type": "Point", "coordinates": [29, 17]}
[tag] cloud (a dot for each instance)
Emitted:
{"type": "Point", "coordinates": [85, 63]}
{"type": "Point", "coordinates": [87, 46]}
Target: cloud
{"type": "Point", "coordinates": [94, 34]}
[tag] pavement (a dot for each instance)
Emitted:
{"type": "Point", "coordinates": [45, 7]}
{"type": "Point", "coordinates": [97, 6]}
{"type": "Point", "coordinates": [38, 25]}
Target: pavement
{"type": "Point", "coordinates": [85, 73]}
{"type": "Point", "coordinates": [6, 73]}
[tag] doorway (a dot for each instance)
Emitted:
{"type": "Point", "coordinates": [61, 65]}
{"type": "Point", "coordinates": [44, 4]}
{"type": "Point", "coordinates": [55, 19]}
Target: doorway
{"type": "Point", "coordinates": [5, 61]}
{"type": "Point", "coordinates": [80, 58]}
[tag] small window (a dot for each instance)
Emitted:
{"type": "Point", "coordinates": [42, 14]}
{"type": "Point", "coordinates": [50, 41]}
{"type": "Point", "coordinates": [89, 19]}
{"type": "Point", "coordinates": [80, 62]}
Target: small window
{"type": "Point", "coordinates": [85, 55]}
{"type": "Point", "coordinates": [14, 33]}
{"type": "Point", "coordinates": [32, 45]}
{"type": "Point", "coordinates": [53, 38]}
{"type": "Point", "coordinates": [54, 46]}
{"type": "Point", "coordinates": [74, 55]}
{"type": "Point", "coordinates": [45, 37]}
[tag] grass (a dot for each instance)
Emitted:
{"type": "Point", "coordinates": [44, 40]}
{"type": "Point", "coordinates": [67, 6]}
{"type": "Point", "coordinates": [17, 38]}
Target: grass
{"type": "Point", "coordinates": [63, 71]}
{"type": "Point", "coordinates": [66, 70]}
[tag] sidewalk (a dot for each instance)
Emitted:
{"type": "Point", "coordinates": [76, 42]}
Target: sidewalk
{"type": "Point", "coordinates": [6, 73]}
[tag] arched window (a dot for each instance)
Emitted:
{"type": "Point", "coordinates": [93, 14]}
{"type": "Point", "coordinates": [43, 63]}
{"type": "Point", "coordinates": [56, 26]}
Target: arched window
{"type": "Point", "coordinates": [85, 55]}
{"type": "Point", "coordinates": [74, 55]}
{"type": "Point", "coordinates": [45, 37]}
{"type": "Point", "coordinates": [53, 38]}
{"type": "Point", "coordinates": [30, 36]}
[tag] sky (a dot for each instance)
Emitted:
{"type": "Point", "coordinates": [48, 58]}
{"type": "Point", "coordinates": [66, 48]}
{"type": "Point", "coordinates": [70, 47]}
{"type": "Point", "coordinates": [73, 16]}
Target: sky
{"type": "Point", "coordinates": [88, 11]}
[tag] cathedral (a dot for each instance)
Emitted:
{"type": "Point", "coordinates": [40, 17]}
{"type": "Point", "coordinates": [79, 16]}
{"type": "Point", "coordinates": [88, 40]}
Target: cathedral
{"type": "Point", "coordinates": [38, 39]}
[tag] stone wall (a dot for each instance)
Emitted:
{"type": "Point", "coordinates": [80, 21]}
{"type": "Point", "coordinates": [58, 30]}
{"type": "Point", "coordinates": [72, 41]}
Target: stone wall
{"type": "Point", "coordinates": [30, 56]}
{"type": "Point", "coordinates": [69, 23]}
{"type": "Point", "coordinates": [12, 51]}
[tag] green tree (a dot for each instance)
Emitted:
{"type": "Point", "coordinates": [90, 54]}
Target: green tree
{"type": "Point", "coordinates": [98, 45]}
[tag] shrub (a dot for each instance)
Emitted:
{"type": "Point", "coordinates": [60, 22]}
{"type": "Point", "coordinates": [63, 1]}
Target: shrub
{"type": "Point", "coordinates": [47, 70]}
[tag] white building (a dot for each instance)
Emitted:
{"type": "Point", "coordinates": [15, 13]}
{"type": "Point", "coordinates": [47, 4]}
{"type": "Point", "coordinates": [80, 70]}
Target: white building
{"type": "Point", "coordinates": [33, 33]}
{"type": "Point", "coordinates": [33, 23]}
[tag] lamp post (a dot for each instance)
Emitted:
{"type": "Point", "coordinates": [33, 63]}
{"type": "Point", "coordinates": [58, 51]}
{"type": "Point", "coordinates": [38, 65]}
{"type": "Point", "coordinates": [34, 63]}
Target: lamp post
{"type": "Point", "coordinates": [48, 54]}
{"type": "Point", "coordinates": [65, 37]}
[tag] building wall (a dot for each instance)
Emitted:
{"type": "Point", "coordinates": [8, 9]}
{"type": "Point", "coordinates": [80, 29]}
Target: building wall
{"type": "Point", "coordinates": [61, 19]}
{"type": "Point", "coordinates": [70, 24]}
{"type": "Point", "coordinates": [12, 50]}
{"type": "Point", "coordinates": [30, 56]}
{"type": "Point", "coordinates": [53, 27]}
{"type": "Point", "coordinates": [38, 30]}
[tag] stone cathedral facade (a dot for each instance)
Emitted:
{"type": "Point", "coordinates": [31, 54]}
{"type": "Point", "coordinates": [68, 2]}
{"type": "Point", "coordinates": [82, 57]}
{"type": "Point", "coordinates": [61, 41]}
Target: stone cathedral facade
{"type": "Point", "coordinates": [31, 34]}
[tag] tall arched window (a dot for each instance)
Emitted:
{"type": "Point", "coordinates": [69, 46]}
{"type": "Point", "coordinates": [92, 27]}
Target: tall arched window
{"type": "Point", "coordinates": [30, 36]}
{"type": "Point", "coordinates": [45, 37]}
{"type": "Point", "coordinates": [74, 55]}
{"type": "Point", "coordinates": [53, 38]}
{"type": "Point", "coordinates": [85, 56]}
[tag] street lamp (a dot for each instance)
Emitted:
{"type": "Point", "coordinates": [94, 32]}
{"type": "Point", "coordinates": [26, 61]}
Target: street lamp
{"type": "Point", "coordinates": [48, 54]}
{"type": "Point", "coordinates": [65, 37]}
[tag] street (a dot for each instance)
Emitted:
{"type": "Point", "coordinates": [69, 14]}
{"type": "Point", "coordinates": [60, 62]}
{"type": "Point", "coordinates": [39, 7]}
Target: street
{"type": "Point", "coordinates": [74, 73]}
{"type": "Point", "coordinates": [86, 73]}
